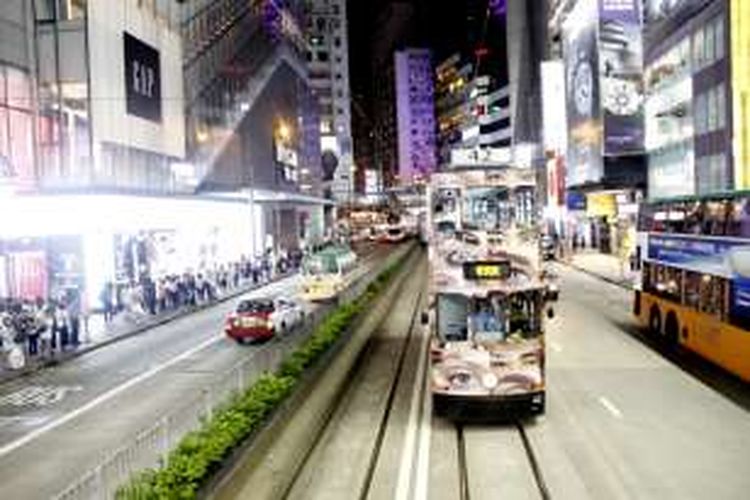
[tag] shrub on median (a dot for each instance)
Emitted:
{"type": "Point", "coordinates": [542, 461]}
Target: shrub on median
{"type": "Point", "coordinates": [201, 453]}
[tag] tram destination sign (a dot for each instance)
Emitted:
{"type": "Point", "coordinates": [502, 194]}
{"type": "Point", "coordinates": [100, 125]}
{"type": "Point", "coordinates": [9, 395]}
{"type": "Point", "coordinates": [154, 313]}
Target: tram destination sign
{"type": "Point", "coordinates": [486, 270]}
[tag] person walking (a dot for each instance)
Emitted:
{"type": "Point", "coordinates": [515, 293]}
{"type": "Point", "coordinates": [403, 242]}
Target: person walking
{"type": "Point", "coordinates": [106, 298]}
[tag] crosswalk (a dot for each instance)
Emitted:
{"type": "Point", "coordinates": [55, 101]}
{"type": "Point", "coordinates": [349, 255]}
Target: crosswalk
{"type": "Point", "coordinates": [37, 396]}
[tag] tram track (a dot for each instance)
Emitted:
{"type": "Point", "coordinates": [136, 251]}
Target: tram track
{"type": "Point", "coordinates": [464, 449]}
{"type": "Point", "coordinates": [367, 371]}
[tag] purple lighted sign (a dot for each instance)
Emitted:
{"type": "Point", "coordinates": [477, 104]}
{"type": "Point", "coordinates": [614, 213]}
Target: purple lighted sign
{"type": "Point", "coordinates": [498, 7]}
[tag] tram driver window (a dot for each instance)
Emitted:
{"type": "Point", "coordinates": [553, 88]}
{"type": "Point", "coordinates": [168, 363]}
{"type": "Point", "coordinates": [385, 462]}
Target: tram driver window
{"type": "Point", "coordinates": [488, 320]}
{"type": "Point", "coordinates": [452, 312]}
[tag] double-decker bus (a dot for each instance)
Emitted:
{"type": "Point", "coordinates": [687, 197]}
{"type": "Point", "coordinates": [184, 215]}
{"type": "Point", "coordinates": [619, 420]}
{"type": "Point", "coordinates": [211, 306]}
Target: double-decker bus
{"type": "Point", "coordinates": [488, 301]}
{"type": "Point", "coordinates": [326, 273]}
{"type": "Point", "coordinates": [694, 288]}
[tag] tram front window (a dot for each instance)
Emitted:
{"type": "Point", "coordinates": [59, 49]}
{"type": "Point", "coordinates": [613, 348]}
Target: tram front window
{"type": "Point", "coordinates": [493, 319]}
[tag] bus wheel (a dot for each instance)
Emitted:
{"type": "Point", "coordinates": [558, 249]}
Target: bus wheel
{"type": "Point", "coordinates": [654, 322]}
{"type": "Point", "coordinates": [671, 330]}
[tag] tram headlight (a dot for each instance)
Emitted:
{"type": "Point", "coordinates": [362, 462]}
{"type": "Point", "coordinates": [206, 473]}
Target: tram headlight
{"type": "Point", "coordinates": [489, 380]}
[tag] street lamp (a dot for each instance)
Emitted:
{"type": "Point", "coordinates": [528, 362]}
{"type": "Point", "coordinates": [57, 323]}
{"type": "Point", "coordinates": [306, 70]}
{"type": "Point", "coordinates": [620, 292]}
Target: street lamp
{"type": "Point", "coordinates": [283, 131]}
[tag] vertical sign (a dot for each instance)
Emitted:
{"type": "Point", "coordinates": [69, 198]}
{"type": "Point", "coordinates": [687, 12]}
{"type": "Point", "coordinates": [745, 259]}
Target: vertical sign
{"type": "Point", "coordinates": [621, 69]}
{"type": "Point", "coordinates": [582, 95]}
{"type": "Point", "coordinates": [142, 79]}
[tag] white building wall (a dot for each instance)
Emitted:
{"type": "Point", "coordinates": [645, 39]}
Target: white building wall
{"type": "Point", "coordinates": [108, 21]}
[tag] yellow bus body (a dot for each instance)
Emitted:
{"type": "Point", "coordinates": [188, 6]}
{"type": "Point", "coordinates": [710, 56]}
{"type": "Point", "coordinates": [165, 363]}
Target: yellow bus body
{"type": "Point", "coordinates": [707, 335]}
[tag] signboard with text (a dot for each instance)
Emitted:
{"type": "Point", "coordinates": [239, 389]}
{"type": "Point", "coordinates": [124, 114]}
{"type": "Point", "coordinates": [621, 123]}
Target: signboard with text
{"type": "Point", "coordinates": [142, 79]}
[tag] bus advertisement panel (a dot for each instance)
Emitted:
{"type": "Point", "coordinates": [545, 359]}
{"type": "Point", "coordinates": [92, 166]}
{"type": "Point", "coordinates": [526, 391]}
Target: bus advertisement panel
{"type": "Point", "coordinates": [487, 349]}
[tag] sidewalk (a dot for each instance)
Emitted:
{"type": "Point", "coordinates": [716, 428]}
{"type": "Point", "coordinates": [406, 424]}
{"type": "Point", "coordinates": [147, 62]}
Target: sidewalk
{"type": "Point", "coordinates": [605, 267]}
{"type": "Point", "coordinates": [123, 326]}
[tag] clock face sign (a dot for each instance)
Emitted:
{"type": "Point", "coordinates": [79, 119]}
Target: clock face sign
{"type": "Point", "coordinates": [583, 85]}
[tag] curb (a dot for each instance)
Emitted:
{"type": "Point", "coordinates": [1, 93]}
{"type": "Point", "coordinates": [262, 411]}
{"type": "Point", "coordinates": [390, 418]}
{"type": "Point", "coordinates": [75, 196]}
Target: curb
{"type": "Point", "coordinates": [598, 276]}
{"type": "Point", "coordinates": [138, 330]}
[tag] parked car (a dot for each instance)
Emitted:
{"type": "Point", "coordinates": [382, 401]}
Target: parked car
{"type": "Point", "coordinates": [261, 319]}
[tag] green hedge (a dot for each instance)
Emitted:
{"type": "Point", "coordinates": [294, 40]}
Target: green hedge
{"type": "Point", "coordinates": [202, 452]}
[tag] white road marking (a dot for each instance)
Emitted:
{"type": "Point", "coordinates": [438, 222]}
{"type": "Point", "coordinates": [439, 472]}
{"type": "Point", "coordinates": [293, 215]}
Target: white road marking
{"type": "Point", "coordinates": [425, 438]}
{"type": "Point", "coordinates": [36, 433]}
{"type": "Point", "coordinates": [555, 346]}
{"type": "Point", "coordinates": [610, 406]}
{"type": "Point", "coordinates": [38, 395]}
{"type": "Point", "coordinates": [403, 486]}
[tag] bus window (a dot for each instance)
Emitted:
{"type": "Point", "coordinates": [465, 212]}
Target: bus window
{"type": "Point", "coordinates": [713, 291]}
{"type": "Point", "coordinates": [452, 312]}
{"type": "Point", "coordinates": [668, 283]}
{"type": "Point", "coordinates": [742, 212]}
{"type": "Point", "coordinates": [695, 216]}
{"type": "Point", "coordinates": [693, 289]}
{"type": "Point", "coordinates": [715, 221]}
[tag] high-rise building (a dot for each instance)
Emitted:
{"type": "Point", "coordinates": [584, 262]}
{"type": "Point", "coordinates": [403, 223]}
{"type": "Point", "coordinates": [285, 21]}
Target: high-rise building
{"type": "Point", "coordinates": [694, 88]}
{"type": "Point", "coordinates": [415, 114]}
{"type": "Point", "coordinates": [328, 60]}
{"type": "Point", "coordinates": [391, 29]}
{"type": "Point", "coordinates": [605, 162]}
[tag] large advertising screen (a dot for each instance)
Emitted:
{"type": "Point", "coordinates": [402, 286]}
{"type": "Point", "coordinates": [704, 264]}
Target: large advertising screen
{"type": "Point", "coordinates": [582, 94]}
{"type": "Point", "coordinates": [621, 67]}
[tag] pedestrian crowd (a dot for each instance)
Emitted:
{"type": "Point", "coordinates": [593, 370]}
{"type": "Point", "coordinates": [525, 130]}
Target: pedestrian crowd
{"type": "Point", "coordinates": [45, 327]}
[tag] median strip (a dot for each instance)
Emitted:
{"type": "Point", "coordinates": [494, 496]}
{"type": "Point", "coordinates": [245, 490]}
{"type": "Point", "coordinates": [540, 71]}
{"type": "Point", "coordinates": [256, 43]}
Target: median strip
{"type": "Point", "coordinates": [201, 453]}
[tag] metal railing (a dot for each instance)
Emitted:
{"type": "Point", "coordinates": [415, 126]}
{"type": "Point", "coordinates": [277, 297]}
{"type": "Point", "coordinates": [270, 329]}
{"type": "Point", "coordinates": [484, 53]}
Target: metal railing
{"type": "Point", "coordinates": [150, 446]}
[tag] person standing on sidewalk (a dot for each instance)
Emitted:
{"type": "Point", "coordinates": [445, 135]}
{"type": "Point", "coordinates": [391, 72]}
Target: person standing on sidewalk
{"type": "Point", "coordinates": [60, 326]}
{"type": "Point", "coordinates": [73, 310]}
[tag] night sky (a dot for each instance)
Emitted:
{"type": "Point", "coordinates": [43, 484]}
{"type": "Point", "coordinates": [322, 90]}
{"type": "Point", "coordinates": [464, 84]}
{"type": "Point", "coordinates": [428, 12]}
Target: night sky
{"type": "Point", "coordinates": [442, 25]}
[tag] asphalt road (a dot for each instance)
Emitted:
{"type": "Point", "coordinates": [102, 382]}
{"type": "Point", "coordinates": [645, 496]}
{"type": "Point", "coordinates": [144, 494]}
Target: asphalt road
{"type": "Point", "coordinates": [59, 423]}
{"type": "Point", "coordinates": [623, 421]}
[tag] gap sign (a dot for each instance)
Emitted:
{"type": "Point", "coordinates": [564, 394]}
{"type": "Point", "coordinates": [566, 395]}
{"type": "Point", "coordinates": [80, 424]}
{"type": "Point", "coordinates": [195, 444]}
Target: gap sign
{"type": "Point", "coordinates": [142, 79]}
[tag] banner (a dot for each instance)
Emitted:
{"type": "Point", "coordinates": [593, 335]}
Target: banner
{"type": "Point", "coordinates": [582, 95]}
{"type": "Point", "coordinates": [621, 69]}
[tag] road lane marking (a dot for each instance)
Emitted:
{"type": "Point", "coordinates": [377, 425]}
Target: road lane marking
{"type": "Point", "coordinates": [36, 433]}
{"type": "Point", "coordinates": [610, 406]}
{"type": "Point", "coordinates": [403, 486]}
{"type": "Point", "coordinates": [425, 441]}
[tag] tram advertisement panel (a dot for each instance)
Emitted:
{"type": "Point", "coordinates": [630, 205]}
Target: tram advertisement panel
{"type": "Point", "coordinates": [488, 299]}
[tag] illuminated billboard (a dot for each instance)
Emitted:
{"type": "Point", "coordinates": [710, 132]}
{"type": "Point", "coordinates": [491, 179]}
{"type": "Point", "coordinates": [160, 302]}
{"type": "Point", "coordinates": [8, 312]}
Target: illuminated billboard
{"type": "Point", "coordinates": [621, 68]}
{"type": "Point", "coordinates": [582, 94]}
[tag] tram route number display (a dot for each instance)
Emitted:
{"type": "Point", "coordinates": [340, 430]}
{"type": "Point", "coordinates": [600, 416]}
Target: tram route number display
{"type": "Point", "coordinates": [486, 270]}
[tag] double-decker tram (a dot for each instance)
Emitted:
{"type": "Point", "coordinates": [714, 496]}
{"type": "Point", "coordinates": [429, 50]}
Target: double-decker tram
{"type": "Point", "coordinates": [694, 288]}
{"type": "Point", "coordinates": [488, 302]}
{"type": "Point", "coordinates": [326, 273]}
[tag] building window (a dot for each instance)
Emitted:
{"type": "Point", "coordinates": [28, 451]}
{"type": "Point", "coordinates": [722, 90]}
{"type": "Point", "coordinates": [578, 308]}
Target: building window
{"type": "Point", "coordinates": [712, 111]}
{"type": "Point", "coordinates": [698, 50]}
{"type": "Point", "coordinates": [719, 34]}
{"type": "Point", "coordinates": [323, 56]}
{"type": "Point", "coordinates": [721, 107]}
{"type": "Point", "coordinates": [337, 41]}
